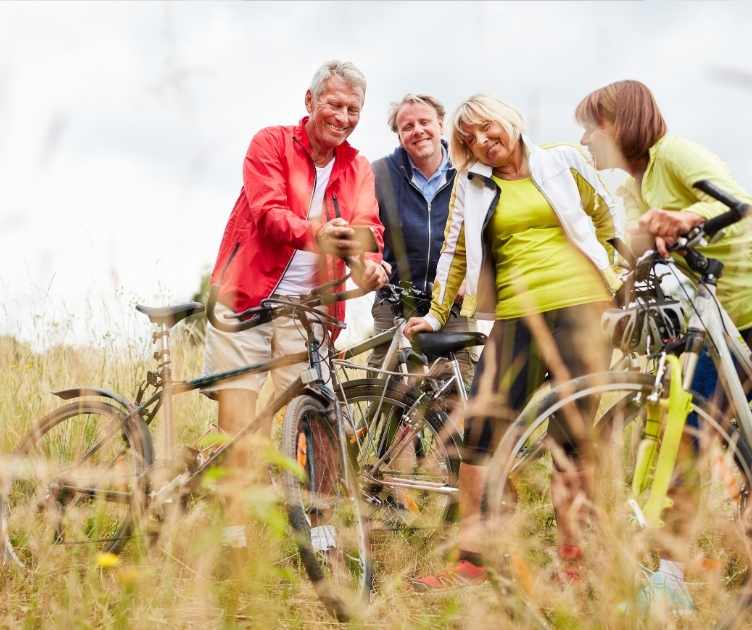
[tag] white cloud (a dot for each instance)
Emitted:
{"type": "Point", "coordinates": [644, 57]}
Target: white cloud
{"type": "Point", "coordinates": [123, 126]}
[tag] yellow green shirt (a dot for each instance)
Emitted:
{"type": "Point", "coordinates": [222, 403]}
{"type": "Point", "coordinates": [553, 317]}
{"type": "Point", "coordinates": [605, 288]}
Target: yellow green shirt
{"type": "Point", "coordinates": [675, 165]}
{"type": "Point", "coordinates": [537, 268]}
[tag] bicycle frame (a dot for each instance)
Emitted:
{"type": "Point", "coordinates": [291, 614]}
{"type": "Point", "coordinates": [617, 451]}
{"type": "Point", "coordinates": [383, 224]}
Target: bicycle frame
{"type": "Point", "coordinates": [399, 344]}
{"type": "Point", "coordinates": [709, 321]}
{"type": "Point", "coordinates": [410, 429]}
{"type": "Point", "coordinates": [311, 381]}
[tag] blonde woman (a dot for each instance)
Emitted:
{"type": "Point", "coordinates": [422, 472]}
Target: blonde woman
{"type": "Point", "coordinates": [527, 230]}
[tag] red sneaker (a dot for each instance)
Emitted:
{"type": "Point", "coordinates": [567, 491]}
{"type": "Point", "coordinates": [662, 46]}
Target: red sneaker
{"type": "Point", "coordinates": [462, 574]}
{"type": "Point", "coordinates": [569, 572]}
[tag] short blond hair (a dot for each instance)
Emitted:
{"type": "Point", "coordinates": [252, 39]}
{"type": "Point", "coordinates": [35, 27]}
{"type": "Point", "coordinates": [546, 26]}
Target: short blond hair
{"type": "Point", "coordinates": [410, 98]}
{"type": "Point", "coordinates": [476, 110]}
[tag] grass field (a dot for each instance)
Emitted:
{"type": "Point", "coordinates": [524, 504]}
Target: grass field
{"type": "Point", "coordinates": [188, 579]}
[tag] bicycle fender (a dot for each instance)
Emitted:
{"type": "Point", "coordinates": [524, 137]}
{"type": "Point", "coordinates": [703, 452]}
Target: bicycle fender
{"type": "Point", "coordinates": [77, 392]}
{"type": "Point", "coordinates": [321, 393]}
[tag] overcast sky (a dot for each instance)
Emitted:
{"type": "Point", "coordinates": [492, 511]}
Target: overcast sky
{"type": "Point", "coordinates": [123, 126]}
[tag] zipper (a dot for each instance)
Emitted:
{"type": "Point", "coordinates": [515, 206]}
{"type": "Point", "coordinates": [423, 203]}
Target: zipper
{"type": "Point", "coordinates": [486, 221]}
{"type": "Point", "coordinates": [429, 206]}
{"type": "Point", "coordinates": [430, 241]}
{"type": "Point", "coordinates": [229, 260]}
{"type": "Point", "coordinates": [420, 192]}
{"type": "Point", "coordinates": [428, 259]}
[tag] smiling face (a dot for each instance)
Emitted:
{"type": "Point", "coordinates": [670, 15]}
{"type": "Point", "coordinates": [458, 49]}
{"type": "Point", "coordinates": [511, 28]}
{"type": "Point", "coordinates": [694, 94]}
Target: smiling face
{"type": "Point", "coordinates": [334, 113]}
{"type": "Point", "coordinates": [601, 142]}
{"type": "Point", "coordinates": [489, 143]}
{"type": "Point", "coordinates": [419, 130]}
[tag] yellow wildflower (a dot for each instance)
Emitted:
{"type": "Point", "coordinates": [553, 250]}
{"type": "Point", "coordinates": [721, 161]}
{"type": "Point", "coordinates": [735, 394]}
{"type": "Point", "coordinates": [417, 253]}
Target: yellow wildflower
{"type": "Point", "coordinates": [107, 560]}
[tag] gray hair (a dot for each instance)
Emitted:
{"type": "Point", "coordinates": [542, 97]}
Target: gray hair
{"type": "Point", "coordinates": [422, 99]}
{"type": "Point", "coordinates": [344, 69]}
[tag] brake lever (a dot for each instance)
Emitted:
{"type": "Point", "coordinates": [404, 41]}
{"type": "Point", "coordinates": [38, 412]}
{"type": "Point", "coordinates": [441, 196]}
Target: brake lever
{"type": "Point", "coordinates": [247, 313]}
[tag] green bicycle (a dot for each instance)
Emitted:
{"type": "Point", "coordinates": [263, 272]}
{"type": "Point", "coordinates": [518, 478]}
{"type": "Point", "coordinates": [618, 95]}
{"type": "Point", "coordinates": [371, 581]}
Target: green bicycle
{"type": "Point", "coordinates": [673, 471]}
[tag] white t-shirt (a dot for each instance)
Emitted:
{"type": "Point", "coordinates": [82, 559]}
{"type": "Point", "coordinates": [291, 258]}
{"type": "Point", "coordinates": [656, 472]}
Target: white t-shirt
{"type": "Point", "coordinates": [300, 276]}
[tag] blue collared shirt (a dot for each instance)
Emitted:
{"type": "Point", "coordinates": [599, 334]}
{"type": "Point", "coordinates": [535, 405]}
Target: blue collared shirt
{"type": "Point", "coordinates": [431, 185]}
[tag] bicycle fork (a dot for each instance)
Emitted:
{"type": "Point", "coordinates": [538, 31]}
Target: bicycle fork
{"type": "Point", "coordinates": [671, 412]}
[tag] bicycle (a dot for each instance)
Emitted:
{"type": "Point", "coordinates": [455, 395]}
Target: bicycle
{"type": "Point", "coordinates": [104, 486]}
{"type": "Point", "coordinates": [662, 459]}
{"type": "Point", "coordinates": [98, 484]}
{"type": "Point", "coordinates": [408, 448]}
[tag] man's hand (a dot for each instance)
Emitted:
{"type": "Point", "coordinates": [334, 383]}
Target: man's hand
{"type": "Point", "coordinates": [667, 226]}
{"type": "Point", "coordinates": [336, 237]}
{"type": "Point", "coordinates": [369, 275]}
{"type": "Point", "coordinates": [416, 325]}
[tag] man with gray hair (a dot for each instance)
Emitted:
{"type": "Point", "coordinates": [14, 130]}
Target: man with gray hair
{"type": "Point", "coordinates": [304, 190]}
{"type": "Point", "coordinates": [413, 187]}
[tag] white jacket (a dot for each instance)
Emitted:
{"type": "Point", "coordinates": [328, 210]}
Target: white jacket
{"type": "Point", "coordinates": [587, 223]}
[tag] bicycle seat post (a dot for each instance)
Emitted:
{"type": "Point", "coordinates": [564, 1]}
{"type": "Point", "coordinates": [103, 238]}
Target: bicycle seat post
{"type": "Point", "coordinates": [162, 356]}
{"type": "Point", "coordinates": [457, 372]}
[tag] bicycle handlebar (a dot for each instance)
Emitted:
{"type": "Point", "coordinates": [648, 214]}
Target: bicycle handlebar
{"type": "Point", "coordinates": [272, 308]}
{"type": "Point", "coordinates": [685, 243]}
{"type": "Point", "coordinates": [737, 209]}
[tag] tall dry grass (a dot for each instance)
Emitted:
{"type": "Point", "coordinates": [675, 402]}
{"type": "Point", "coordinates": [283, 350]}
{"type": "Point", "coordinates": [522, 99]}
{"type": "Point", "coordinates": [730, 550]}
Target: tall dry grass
{"type": "Point", "coordinates": [188, 579]}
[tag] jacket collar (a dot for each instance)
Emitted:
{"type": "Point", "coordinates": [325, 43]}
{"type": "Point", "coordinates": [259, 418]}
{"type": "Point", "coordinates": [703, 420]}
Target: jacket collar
{"type": "Point", "coordinates": [343, 154]}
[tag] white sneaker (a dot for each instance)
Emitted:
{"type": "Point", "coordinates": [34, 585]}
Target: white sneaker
{"type": "Point", "coordinates": [234, 536]}
{"type": "Point", "coordinates": [666, 586]}
{"type": "Point", "coordinates": [323, 538]}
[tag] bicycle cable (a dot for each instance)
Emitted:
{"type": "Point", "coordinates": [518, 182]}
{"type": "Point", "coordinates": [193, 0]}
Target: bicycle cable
{"type": "Point", "coordinates": [694, 308]}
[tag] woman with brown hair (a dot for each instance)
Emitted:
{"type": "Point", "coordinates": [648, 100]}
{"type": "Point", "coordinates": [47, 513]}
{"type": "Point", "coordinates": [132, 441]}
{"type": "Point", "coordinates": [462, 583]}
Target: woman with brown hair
{"type": "Point", "coordinates": [624, 129]}
{"type": "Point", "coordinates": [524, 221]}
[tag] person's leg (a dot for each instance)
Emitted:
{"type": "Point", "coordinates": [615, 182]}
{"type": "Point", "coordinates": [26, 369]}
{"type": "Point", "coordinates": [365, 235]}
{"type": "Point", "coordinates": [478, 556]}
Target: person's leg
{"type": "Point", "coordinates": [466, 358]}
{"type": "Point", "coordinates": [472, 482]}
{"type": "Point", "coordinates": [706, 382]}
{"type": "Point", "coordinates": [579, 350]}
{"type": "Point", "coordinates": [507, 370]}
{"type": "Point", "coordinates": [236, 409]}
{"type": "Point", "coordinates": [289, 337]}
{"type": "Point", "coordinates": [383, 319]}
{"type": "Point", "coordinates": [472, 474]}
{"type": "Point", "coordinates": [501, 388]}
{"type": "Point", "coordinates": [226, 351]}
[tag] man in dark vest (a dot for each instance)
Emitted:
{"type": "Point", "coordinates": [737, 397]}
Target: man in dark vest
{"type": "Point", "coordinates": [413, 187]}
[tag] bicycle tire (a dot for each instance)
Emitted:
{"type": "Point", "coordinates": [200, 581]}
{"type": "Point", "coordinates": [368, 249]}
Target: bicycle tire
{"type": "Point", "coordinates": [437, 451]}
{"type": "Point", "coordinates": [89, 438]}
{"type": "Point", "coordinates": [717, 464]}
{"type": "Point", "coordinates": [324, 508]}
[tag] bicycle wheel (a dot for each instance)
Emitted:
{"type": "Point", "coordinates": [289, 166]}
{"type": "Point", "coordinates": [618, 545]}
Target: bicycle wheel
{"type": "Point", "coordinates": [83, 485]}
{"type": "Point", "coordinates": [705, 528]}
{"type": "Point", "coordinates": [408, 454]}
{"type": "Point", "coordinates": [325, 508]}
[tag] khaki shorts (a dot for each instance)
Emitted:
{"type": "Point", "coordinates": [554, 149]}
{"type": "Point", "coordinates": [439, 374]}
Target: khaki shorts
{"type": "Point", "coordinates": [277, 338]}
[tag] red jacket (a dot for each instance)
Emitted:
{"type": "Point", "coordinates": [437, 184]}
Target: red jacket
{"type": "Point", "coordinates": [268, 222]}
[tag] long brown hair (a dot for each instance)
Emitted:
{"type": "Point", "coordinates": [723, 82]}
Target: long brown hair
{"type": "Point", "coordinates": [631, 108]}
